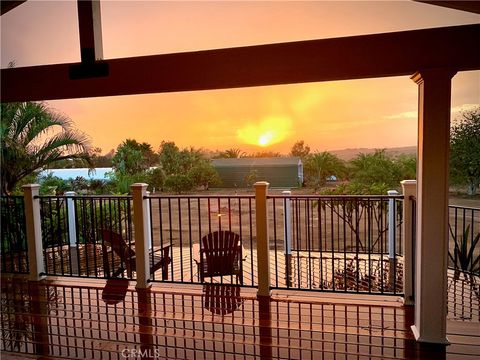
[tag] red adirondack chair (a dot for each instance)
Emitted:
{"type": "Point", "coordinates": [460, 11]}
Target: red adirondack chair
{"type": "Point", "coordinates": [159, 258]}
{"type": "Point", "coordinates": [220, 255]}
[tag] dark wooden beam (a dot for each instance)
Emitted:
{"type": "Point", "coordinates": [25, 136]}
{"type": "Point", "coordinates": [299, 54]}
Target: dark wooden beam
{"type": "Point", "coordinates": [356, 57]}
{"type": "Point", "coordinates": [90, 29]}
{"type": "Point", "coordinates": [468, 6]}
{"type": "Point", "coordinates": [6, 6]}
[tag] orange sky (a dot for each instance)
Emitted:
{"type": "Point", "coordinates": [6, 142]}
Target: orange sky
{"type": "Point", "coordinates": [331, 115]}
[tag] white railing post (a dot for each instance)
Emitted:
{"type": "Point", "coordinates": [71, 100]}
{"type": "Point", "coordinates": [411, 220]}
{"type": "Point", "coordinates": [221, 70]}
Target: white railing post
{"type": "Point", "coordinates": [409, 189]}
{"type": "Point", "coordinates": [34, 231]}
{"type": "Point", "coordinates": [287, 233]}
{"type": "Point", "coordinates": [141, 229]}
{"type": "Point", "coordinates": [72, 233]}
{"type": "Point", "coordinates": [149, 234]}
{"type": "Point", "coordinates": [392, 226]}
{"type": "Point", "coordinates": [263, 253]}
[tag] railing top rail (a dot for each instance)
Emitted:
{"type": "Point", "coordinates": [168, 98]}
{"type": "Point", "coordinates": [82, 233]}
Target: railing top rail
{"type": "Point", "coordinates": [121, 197]}
{"type": "Point", "coordinates": [338, 197]}
{"type": "Point", "coordinates": [11, 197]}
{"type": "Point", "coordinates": [463, 207]}
{"type": "Point", "coordinates": [200, 197]}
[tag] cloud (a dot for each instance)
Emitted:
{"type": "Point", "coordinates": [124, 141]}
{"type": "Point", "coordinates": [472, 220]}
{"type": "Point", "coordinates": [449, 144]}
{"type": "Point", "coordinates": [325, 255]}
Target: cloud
{"type": "Point", "coordinates": [413, 114]}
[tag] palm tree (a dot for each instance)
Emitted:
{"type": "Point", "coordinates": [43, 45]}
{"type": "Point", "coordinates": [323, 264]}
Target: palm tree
{"type": "Point", "coordinates": [233, 153]}
{"type": "Point", "coordinates": [321, 165]}
{"type": "Point", "coordinates": [33, 137]}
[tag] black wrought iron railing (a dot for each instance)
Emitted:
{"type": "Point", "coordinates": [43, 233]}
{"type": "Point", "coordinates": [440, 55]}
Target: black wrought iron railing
{"type": "Point", "coordinates": [464, 263]}
{"type": "Point", "coordinates": [185, 222]}
{"type": "Point", "coordinates": [326, 243]}
{"type": "Point", "coordinates": [337, 243]}
{"type": "Point", "coordinates": [87, 236]}
{"type": "Point", "coordinates": [14, 247]}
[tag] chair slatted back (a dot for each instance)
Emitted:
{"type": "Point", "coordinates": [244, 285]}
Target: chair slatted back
{"type": "Point", "coordinates": [221, 253]}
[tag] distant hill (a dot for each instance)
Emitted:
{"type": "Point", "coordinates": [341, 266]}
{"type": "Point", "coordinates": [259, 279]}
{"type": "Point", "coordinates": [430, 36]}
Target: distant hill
{"type": "Point", "coordinates": [348, 154]}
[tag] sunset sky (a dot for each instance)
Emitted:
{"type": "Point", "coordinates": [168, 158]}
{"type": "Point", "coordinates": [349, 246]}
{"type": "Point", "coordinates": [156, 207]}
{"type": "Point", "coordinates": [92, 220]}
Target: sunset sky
{"type": "Point", "coordinates": [332, 115]}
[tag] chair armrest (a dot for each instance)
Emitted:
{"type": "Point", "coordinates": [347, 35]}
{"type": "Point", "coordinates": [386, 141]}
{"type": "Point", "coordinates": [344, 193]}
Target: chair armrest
{"type": "Point", "coordinates": [163, 246]}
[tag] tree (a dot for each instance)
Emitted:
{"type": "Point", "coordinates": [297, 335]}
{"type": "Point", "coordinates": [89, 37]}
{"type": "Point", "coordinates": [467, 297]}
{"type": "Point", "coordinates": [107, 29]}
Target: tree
{"type": "Point", "coordinates": [251, 178]}
{"type": "Point", "coordinates": [133, 157]}
{"type": "Point", "coordinates": [465, 150]}
{"type": "Point", "coordinates": [169, 155]}
{"type": "Point", "coordinates": [374, 169]}
{"type": "Point", "coordinates": [264, 154]}
{"type": "Point", "coordinates": [300, 150]}
{"type": "Point", "coordinates": [34, 137]}
{"type": "Point", "coordinates": [186, 169]}
{"type": "Point", "coordinates": [233, 153]}
{"type": "Point", "coordinates": [321, 165]}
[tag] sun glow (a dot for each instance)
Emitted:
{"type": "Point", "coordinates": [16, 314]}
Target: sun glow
{"type": "Point", "coordinates": [269, 131]}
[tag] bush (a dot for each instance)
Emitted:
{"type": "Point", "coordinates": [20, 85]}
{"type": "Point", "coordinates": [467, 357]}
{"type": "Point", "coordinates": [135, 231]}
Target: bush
{"type": "Point", "coordinates": [179, 183]}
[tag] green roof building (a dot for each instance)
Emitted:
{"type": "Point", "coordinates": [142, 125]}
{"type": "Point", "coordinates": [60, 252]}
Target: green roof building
{"type": "Point", "coordinates": [280, 172]}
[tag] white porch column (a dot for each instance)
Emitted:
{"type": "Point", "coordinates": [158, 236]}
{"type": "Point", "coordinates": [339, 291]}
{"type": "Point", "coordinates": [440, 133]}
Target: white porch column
{"type": "Point", "coordinates": [263, 251]}
{"type": "Point", "coordinates": [141, 228]}
{"type": "Point", "coordinates": [432, 205]}
{"type": "Point", "coordinates": [34, 232]}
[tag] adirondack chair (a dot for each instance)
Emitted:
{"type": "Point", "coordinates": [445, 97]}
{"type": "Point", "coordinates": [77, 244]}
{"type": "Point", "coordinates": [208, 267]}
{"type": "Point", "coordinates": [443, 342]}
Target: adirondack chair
{"type": "Point", "coordinates": [220, 255]}
{"type": "Point", "coordinates": [159, 258]}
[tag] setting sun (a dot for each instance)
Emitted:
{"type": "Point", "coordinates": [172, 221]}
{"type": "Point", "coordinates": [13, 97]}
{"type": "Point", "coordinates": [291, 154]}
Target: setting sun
{"type": "Point", "coordinates": [265, 139]}
{"type": "Point", "coordinates": [269, 131]}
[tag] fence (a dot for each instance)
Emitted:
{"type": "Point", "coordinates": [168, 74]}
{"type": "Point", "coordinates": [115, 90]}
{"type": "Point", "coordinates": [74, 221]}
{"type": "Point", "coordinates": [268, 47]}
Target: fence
{"type": "Point", "coordinates": [327, 243]}
{"type": "Point", "coordinates": [75, 235]}
{"type": "Point", "coordinates": [464, 263]}
{"type": "Point", "coordinates": [182, 221]}
{"type": "Point", "coordinates": [14, 246]}
{"type": "Point", "coordinates": [337, 243]}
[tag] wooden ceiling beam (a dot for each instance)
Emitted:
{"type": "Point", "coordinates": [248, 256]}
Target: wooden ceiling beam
{"type": "Point", "coordinates": [6, 6]}
{"type": "Point", "coordinates": [468, 6]}
{"type": "Point", "coordinates": [355, 57]}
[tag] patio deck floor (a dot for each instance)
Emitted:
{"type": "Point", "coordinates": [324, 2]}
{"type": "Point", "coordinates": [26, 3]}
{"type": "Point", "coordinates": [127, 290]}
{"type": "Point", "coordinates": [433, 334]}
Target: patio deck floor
{"type": "Point", "coordinates": [97, 319]}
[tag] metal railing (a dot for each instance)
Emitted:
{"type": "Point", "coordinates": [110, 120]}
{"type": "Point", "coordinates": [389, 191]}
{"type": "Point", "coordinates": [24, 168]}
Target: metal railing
{"type": "Point", "coordinates": [337, 243]}
{"type": "Point", "coordinates": [464, 263]}
{"type": "Point", "coordinates": [75, 235]}
{"type": "Point", "coordinates": [182, 221]}
{"type": "Point", "coordinates": [326, 243]}
{"type": "Point", "coordinates": [14, 247]}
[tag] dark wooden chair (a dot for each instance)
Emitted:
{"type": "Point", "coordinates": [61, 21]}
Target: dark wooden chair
{"type": "Point", "coordinates": [159, 258]}
{"type": "Point", "coordinates": [220, 255]}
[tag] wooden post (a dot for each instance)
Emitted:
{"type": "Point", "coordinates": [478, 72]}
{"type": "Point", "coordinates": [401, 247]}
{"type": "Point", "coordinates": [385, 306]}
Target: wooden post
{"type": "Point", "coordinates": [34, 232]}
{"type": "Point", "coordinates": [432, 205]}
{"type": "Point", "coordinates": [409, 189]}
{"type": "Point", "coordinates": [140, 223]}
{"type": "Point", "coordinates": [263, 253]}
